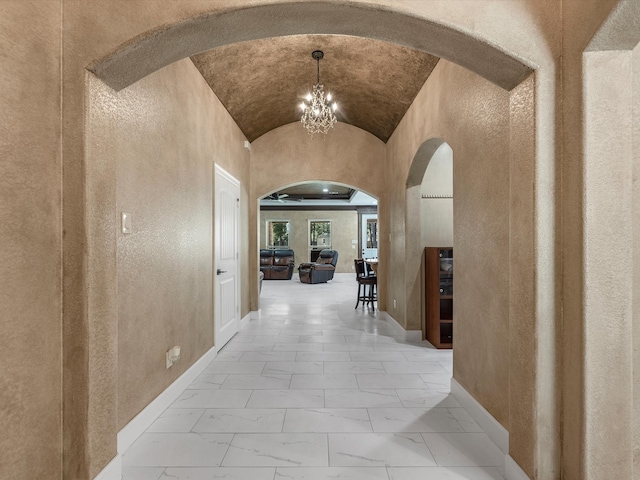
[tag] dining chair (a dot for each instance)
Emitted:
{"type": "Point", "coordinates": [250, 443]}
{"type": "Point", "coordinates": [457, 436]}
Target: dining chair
{"type": "Point", "coordinates": [367, 284]}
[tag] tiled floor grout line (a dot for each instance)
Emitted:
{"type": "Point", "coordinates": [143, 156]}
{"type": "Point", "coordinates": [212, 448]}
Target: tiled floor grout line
{"type": "Point", "coordinates": [418, 399]}
{"type": "Point", "coordinates": [226, 452]}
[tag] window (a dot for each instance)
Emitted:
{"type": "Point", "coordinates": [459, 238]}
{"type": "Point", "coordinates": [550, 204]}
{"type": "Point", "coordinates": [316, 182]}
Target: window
{"type": "Point", "coordinates": [278, 233]}
{"type": "Point", "coordinates": [320, 233]}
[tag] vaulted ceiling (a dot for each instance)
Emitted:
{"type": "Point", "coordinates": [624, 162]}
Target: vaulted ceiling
{"type": "Point", "coordinates": [262, 82]}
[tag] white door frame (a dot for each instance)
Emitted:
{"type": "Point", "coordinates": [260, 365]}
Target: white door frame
{"type": "Point", "coordinates": [220, 337]}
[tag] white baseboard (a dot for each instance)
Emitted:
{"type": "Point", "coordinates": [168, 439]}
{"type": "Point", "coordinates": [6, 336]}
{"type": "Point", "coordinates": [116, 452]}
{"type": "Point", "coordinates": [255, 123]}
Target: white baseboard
{"type": "Point", "coordinates": [413, 336]}
{"type": "Point", "coordinates": [494, 430]}
{"type": "Point", "coordinates": [408, 335]}
{"type": "Point", "coordinates": [256, 314]}
{"type": "Point", "coordinates": [512, 470]}
{"type": "Point", "coordinates": [245, 321]}
{"type": "Point", "coordinates": [146, 417]}
{"type": "Point", "coordinates": [113, 470]}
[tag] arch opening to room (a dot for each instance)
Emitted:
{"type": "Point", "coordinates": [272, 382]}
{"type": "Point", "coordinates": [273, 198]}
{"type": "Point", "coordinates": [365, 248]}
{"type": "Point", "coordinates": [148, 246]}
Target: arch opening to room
{"type": "Point", "coordinates": [308, 217]}
{"type": "Point", "coordinates": [430, 202]}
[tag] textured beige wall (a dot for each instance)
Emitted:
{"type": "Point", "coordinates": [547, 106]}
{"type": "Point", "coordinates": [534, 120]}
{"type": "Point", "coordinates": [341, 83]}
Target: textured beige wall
{"type": "Point", "coordinates": [344, 229]}
{"type": "Point", "coordinates": [533, 424]}
{"type": "Point", "coordinates": [30, 240]}
{"type": "Point", "coordinates": [472, 115]}
{"type": "Point", "coordinates": [164, 133]}
{"type": "Point", "coordinates": [636, 259]}
{"type": "Point", "coordinates": [481, 239]}
{"type": "Point", "coordinates": [607, 100]}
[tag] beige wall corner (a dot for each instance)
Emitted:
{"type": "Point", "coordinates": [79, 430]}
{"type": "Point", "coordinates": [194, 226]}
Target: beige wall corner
{"type": "Point", "coordinates": [590, 203]}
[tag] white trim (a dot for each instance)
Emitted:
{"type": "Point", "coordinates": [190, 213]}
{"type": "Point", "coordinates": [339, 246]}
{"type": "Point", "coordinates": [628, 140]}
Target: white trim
{"type": "Point", "coordinates": [147, 416]}
{"type": "Point", "coordinates": [408, 335]}
{"type": "Point", "coordinates": [512, 470]}
{"type": "Point", "coordinates": [245, 321]}
{"type": "Point", "coordinates": [113, 470]}
{"type": "Point", "coordinates": [494, 430]}
{"type": "Point", "coordinates": [413, 335]}
{"type": "Point", "coordinates": [393, 322]}
{"type": "Point", "coordinates": [256, 314]}
{"type": "Point", "coordinates": [227, 175]}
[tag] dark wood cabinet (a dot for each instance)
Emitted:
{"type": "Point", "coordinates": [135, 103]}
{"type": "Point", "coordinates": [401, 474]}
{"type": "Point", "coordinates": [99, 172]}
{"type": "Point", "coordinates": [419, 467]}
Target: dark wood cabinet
{"type": "Point", "coordinates": [438, 270]}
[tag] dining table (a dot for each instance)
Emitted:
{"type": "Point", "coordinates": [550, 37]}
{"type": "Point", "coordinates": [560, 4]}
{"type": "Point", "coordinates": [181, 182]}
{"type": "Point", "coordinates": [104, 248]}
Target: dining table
{"type": "Point", "coordinates": [373, 262]}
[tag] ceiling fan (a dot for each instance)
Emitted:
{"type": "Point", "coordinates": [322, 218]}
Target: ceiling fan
{"type": "Point", "coordinates": [282, 197]}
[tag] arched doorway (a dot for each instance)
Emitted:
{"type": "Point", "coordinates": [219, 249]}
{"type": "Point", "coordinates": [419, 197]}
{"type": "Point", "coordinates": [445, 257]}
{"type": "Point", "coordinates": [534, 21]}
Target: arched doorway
{"type": "Point", "coordinates": [299, 209]}
{"type": "Point", "coordinates": [510, 82]}
{"type": "Point", "coordinates": [430, 201]}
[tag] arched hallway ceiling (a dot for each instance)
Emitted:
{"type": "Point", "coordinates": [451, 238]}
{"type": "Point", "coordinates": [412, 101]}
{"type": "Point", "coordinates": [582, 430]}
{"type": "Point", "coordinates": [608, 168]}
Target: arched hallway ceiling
{"type": "Point", "coordinates": [270, 24]}
{"type": "Point", "coordinates": [262, 82]}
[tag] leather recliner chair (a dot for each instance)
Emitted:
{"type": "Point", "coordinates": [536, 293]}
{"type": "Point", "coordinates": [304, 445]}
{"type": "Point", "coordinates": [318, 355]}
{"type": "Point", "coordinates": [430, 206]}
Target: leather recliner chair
{"type": "Point", "coordinates": [322, 270]}
{"type": "Point", "coordinates": [277, 264]}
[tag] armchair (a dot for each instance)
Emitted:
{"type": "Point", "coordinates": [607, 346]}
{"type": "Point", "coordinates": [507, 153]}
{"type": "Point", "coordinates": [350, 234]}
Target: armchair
{"type": "Point", "coordinates": [322, 270]}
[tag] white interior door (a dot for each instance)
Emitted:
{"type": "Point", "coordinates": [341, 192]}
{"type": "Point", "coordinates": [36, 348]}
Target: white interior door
{"type": "Point", "coordinates": [369, 235]}
{"type": "Point", "coordinates": [226, 297]}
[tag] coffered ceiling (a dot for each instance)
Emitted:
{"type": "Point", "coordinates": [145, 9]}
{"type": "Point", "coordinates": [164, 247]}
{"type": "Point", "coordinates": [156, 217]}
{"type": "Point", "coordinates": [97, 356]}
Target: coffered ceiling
{"type": "Point", "coordinates": [262, 82]}
{"type": "Point", "coordinates": [317, 194]}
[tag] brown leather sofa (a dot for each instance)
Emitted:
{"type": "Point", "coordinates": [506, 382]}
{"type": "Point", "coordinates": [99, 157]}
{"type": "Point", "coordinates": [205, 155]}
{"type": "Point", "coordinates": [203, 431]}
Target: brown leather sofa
{"type": "Point", "coordinates": [322, 270]}
{"type": "Point", "coordinates": [277, 264]}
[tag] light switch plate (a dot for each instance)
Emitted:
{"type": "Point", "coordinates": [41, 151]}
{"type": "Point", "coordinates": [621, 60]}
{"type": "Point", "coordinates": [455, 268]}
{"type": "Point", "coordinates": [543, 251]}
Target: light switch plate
{"type": "Point", "coordinates": [126, 223]}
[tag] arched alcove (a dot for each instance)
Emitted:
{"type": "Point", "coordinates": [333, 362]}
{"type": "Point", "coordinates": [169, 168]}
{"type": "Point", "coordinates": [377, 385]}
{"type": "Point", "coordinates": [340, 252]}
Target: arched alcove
{"type": "Point", "coordinates": [429, 200]}
{"type": "Point", "coordinates": [421, 161]}
{"type": "Point", "coordinates": [436, 200]}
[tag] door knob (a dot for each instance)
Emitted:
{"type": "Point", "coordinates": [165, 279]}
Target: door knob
{"type": "Point", "coordinates": [219, 272]}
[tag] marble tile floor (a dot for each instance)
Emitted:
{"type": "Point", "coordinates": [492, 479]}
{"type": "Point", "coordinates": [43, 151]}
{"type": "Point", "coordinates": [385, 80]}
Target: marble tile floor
{"type": "Point", "coordinates": [317, 390]}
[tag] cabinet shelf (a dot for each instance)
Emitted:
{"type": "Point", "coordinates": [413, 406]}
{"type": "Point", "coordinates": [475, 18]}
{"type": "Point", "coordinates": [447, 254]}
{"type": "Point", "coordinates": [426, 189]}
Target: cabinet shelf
{"type": "Point", "coordinates": [439, 296]}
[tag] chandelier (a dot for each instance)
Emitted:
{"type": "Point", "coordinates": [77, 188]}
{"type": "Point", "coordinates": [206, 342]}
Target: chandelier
{"type": "Point", "coordinates": [317, 113]}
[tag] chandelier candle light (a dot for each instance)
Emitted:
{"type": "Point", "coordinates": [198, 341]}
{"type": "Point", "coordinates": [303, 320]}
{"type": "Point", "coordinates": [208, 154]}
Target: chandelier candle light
{"type": "Point", "coordinates": [317, 113]}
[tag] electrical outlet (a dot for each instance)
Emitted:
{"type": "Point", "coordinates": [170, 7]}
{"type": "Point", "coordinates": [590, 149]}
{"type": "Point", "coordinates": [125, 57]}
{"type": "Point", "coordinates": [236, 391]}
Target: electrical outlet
{"type": "Point", "coordinates": [172, 355]}
{"type": "Point", "coordinates": [126, 223]}
{"type": "Point", "coordinates": [395, 304]}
